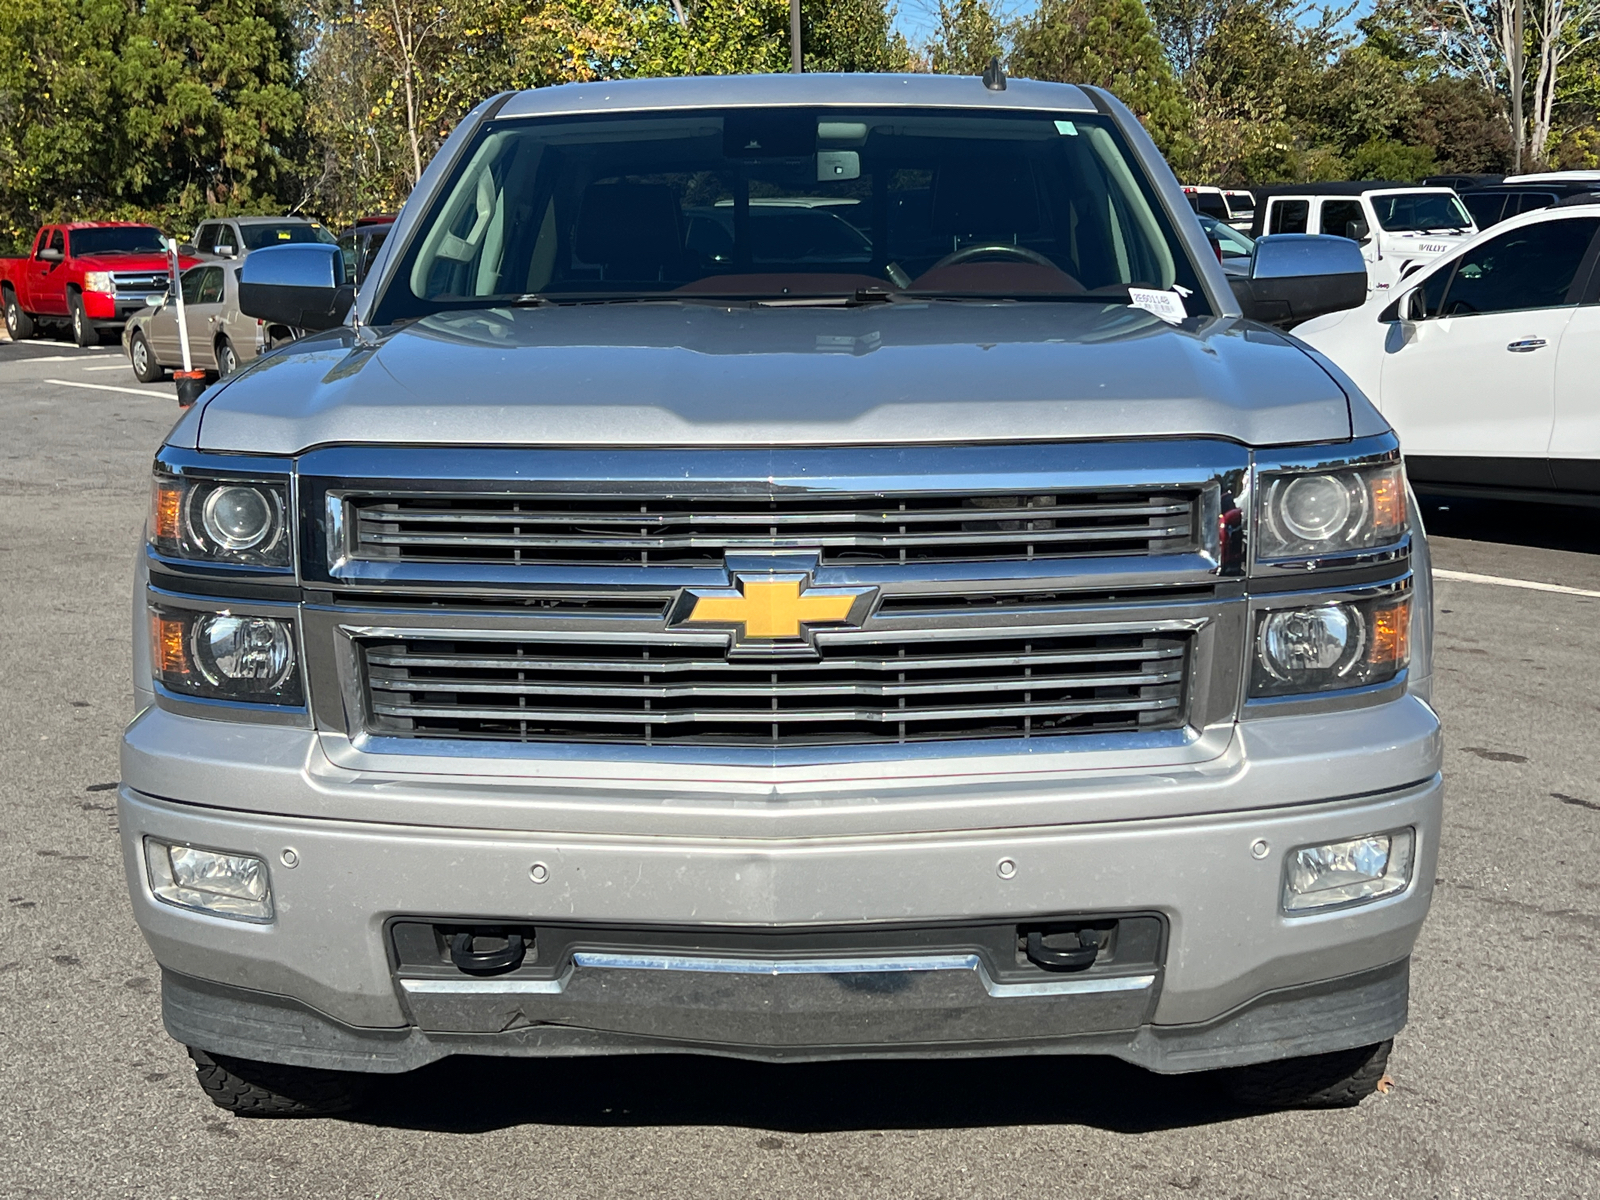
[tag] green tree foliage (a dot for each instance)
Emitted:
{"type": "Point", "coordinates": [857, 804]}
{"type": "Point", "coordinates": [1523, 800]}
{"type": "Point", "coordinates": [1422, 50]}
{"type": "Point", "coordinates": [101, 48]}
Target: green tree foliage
{"type": "Point", "coordinates": [851, 35]}
{"type": "Point", "coordinates": [163, 108]}
{"type": "Point", "coordinates": [968, 36]}
{"type": "Point", "coordinates": [1111, 44]}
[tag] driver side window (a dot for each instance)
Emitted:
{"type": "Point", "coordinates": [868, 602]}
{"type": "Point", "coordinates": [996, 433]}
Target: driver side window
{"type": "Point", "coordinates": [1528, 268]}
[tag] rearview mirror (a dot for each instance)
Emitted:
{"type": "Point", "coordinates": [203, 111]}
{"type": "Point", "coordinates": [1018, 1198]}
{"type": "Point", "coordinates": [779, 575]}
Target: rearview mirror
{"type": "Point", "coordinates": [301, 285]}
{"type": "Point", "coordinates": [1296, 276]}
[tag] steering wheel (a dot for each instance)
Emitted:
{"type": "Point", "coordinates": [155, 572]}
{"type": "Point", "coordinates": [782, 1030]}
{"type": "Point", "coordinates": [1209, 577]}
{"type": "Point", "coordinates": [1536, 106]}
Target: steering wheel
{"type": "Point", "coordinates": [968, 253]}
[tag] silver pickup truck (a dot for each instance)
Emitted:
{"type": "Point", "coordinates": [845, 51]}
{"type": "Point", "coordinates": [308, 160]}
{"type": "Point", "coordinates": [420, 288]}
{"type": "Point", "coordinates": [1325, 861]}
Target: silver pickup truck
{"type": "Point", "coordinates": [797, 568]}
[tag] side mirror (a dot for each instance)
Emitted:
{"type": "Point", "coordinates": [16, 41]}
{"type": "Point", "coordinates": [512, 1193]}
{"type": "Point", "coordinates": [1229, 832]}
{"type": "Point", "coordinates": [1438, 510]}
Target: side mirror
{"type": "Point", "coordinates": [301, 285]}
{"type": "Point", "coordinates": [155, 300]}
{"type": "Point", "coordinates": [1296, 276]}
{"type": "Point", "coordinates": [224, 250]}
{"type": "Point", "coordinates": [50, 254]}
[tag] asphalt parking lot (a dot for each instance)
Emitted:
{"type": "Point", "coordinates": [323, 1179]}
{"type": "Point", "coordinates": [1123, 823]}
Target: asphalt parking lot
{"type": "Point", "coordinates": [1496, 1080]}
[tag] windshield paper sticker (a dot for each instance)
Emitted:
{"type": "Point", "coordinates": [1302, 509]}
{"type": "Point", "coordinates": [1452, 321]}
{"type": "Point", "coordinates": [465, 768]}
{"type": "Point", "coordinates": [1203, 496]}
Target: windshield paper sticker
{"type": "Point", "coordinates": [1166, 305]}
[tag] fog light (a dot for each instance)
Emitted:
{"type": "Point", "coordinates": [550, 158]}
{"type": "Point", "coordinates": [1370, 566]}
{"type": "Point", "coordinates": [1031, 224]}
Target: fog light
{"type": "Point", "coordinates": [1338, 874]}
{"type": "Point", "coordinates": [209, 881]}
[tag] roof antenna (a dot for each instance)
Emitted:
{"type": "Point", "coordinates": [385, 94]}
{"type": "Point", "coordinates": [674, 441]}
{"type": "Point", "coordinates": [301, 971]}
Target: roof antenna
{"type": "Point", "coordinates": [994, 75]}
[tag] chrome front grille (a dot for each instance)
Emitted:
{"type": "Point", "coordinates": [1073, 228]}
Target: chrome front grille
{"type": "Point", "coordinates": [140, 282]}
{"type": "Point", "coordinates": [957, 684]}
{"type": "Point", "coordinates": [533, 602]}
{"type": "Point", "coordinates": [846, 530]}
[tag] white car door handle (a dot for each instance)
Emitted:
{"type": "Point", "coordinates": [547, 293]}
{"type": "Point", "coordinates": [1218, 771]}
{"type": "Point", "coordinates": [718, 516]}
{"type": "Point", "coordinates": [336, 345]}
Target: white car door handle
{"type": "Point", "coordinates": [1526, 344]}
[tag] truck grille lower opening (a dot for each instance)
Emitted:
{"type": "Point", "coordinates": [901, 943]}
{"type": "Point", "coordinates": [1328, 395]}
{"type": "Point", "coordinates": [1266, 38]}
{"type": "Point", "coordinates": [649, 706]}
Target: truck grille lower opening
{"type": "Point", "coordinates": [883, 691]}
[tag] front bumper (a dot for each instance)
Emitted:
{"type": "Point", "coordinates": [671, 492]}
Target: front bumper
{"type": "Point", "coordinates": [1238, 981]}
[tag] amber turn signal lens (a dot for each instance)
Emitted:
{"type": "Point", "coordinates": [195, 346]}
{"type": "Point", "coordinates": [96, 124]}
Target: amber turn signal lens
{"type": "Point", "coordinates": [165, 505]}
{"type": "Point", "coordinates": [1390, 644]}
{"type": "Point", "coordinates": [1388, 500]}
{"type": "Point", "coordinates": [168, 652]}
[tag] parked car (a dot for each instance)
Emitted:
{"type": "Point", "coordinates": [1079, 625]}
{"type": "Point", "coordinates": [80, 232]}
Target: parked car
{"type": "Point", "coordinates": [1233, 248]}
{"type": "Point", "coordinates": [361, 243]}
{"type": "Point", "coordinates": [237, 237]}
{"type": "Point", "coordinates": [88, 276]}
{"type": "Point", "coordinates": [1234, 206]}
{"type": "Point", "coordinates": [994, 642]}
{"type": "Point", "coordinates": [1397, 226]}
{"type": "Point", "coordinates": [1486, 364]}
{"type": "Point", "coordinates": [221, 338]}
{"type": "Point", "coordinates": [1491, 205]}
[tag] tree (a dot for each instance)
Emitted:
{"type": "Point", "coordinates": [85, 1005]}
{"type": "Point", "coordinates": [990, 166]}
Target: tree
{"type": "Point", "coordinates": [164, 109]}
{"type": "Point", "coordinates": [969, 34]}
{"type": "Point", "coordinates": [1493, 38]}
{"type": "Point", "coordinates": [851, 35]}
{"type": "Point", "coordinates": [1110, 44]}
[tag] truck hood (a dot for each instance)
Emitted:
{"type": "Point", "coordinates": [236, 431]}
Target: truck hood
{"type": "Point", "coordinates": [696, 373]}
{"type": "Point", "coordinates": [128, 262]}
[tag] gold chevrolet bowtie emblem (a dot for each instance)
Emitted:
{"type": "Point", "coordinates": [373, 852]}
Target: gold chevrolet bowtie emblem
{"type": "Point", "coordinates": [776, 607]}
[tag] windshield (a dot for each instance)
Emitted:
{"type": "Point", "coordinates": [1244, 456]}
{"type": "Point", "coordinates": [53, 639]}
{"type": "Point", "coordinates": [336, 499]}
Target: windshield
{"type": "Point", "coordinates": [118, 239]}
{"type": "Point", "coordinates": [787, 203]}
{"type": "Point", "coordinates": [1410, 212]}
{"type": "Point", "coordinates": [257, 236]}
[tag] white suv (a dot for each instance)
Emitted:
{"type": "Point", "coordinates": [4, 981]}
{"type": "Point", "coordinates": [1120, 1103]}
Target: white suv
{"type": "Point", "coordinates": [1397, 226]}
{"type": "Point", "coordinates": [1486, 362]}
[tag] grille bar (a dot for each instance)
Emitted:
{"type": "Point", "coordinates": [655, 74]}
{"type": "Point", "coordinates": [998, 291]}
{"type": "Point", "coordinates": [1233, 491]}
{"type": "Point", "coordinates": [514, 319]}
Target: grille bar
{"type": "Point", "coordinates": [969, 684]}
{"type": "Point", "coordinates": [665, 530]}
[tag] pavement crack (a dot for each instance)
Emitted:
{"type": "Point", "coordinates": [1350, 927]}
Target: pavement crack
{"type": "Point", "coordinates": [1576, 801]}
{"type": "Point", "coordinates": [1495, 755]}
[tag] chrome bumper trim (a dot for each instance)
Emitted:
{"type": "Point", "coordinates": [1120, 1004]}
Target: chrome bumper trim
{"type": "Point", "coordinates": [1076, 986]}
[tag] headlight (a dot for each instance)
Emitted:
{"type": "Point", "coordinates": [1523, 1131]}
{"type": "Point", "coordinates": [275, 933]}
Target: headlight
{"type": "Point", "coordinates": [1325, 647]}
{"type": "Point", "coordinates": [223, 521]}
{"type": "Point", "coordinates": [98, 281]}
{"type": "Point", "coordinates": [224, 656]}
{"type": "Point", "coordinates": [1312, 514]}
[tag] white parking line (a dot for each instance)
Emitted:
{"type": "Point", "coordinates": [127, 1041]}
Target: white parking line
{"type": "Point", "coordinates": [107, 387]}
{"type": "Point", "coordinates": [52, 358]}
{"type": "Point", "coordinates": [112, 367]}
{"type": "Point", "coordinates": [1499, 581]}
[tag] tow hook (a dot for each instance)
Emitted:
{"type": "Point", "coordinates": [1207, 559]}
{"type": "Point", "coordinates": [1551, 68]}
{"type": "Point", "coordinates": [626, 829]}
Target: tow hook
{"type": "Point", "coordinates": [467, 957]}
{"type": "Point", "coordinates": [1074, 958]}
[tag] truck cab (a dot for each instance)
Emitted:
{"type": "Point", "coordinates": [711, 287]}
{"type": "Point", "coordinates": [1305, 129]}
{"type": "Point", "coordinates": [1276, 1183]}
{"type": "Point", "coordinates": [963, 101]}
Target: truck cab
{"type": "Point", "coordinates": [1398, 227]}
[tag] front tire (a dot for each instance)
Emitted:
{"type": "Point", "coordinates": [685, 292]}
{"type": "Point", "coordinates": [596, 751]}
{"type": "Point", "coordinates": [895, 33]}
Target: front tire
{"type": "Point", "coordinates": [1342, 1079]}
{"type": "Point", "coordinates": [145, 367]}
{"type": "Point", "coordinates": [18, 323]}
{"type": "Point", "coordinates": [257, 1089]}
{"type": "Point", "coordinates": [227, 359]}
{"type": "Point", "coordinates": [84, 334]}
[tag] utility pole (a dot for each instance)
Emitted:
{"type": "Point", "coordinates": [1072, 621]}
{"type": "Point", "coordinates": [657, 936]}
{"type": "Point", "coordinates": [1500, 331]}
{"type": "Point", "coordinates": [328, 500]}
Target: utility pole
{"type": "Point", "coordinates": [794, 36]}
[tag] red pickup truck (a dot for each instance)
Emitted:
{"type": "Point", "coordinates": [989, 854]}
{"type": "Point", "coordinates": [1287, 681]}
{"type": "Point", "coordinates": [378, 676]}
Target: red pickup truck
{"type": "Point", "coordinates": [88, 275]}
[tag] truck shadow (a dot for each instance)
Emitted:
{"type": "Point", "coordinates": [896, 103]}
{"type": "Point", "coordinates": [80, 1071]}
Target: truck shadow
{"type": "Point", "coordinates": [1513, 522]}
{"type": "Point", "coordinates": [478, 1095]}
